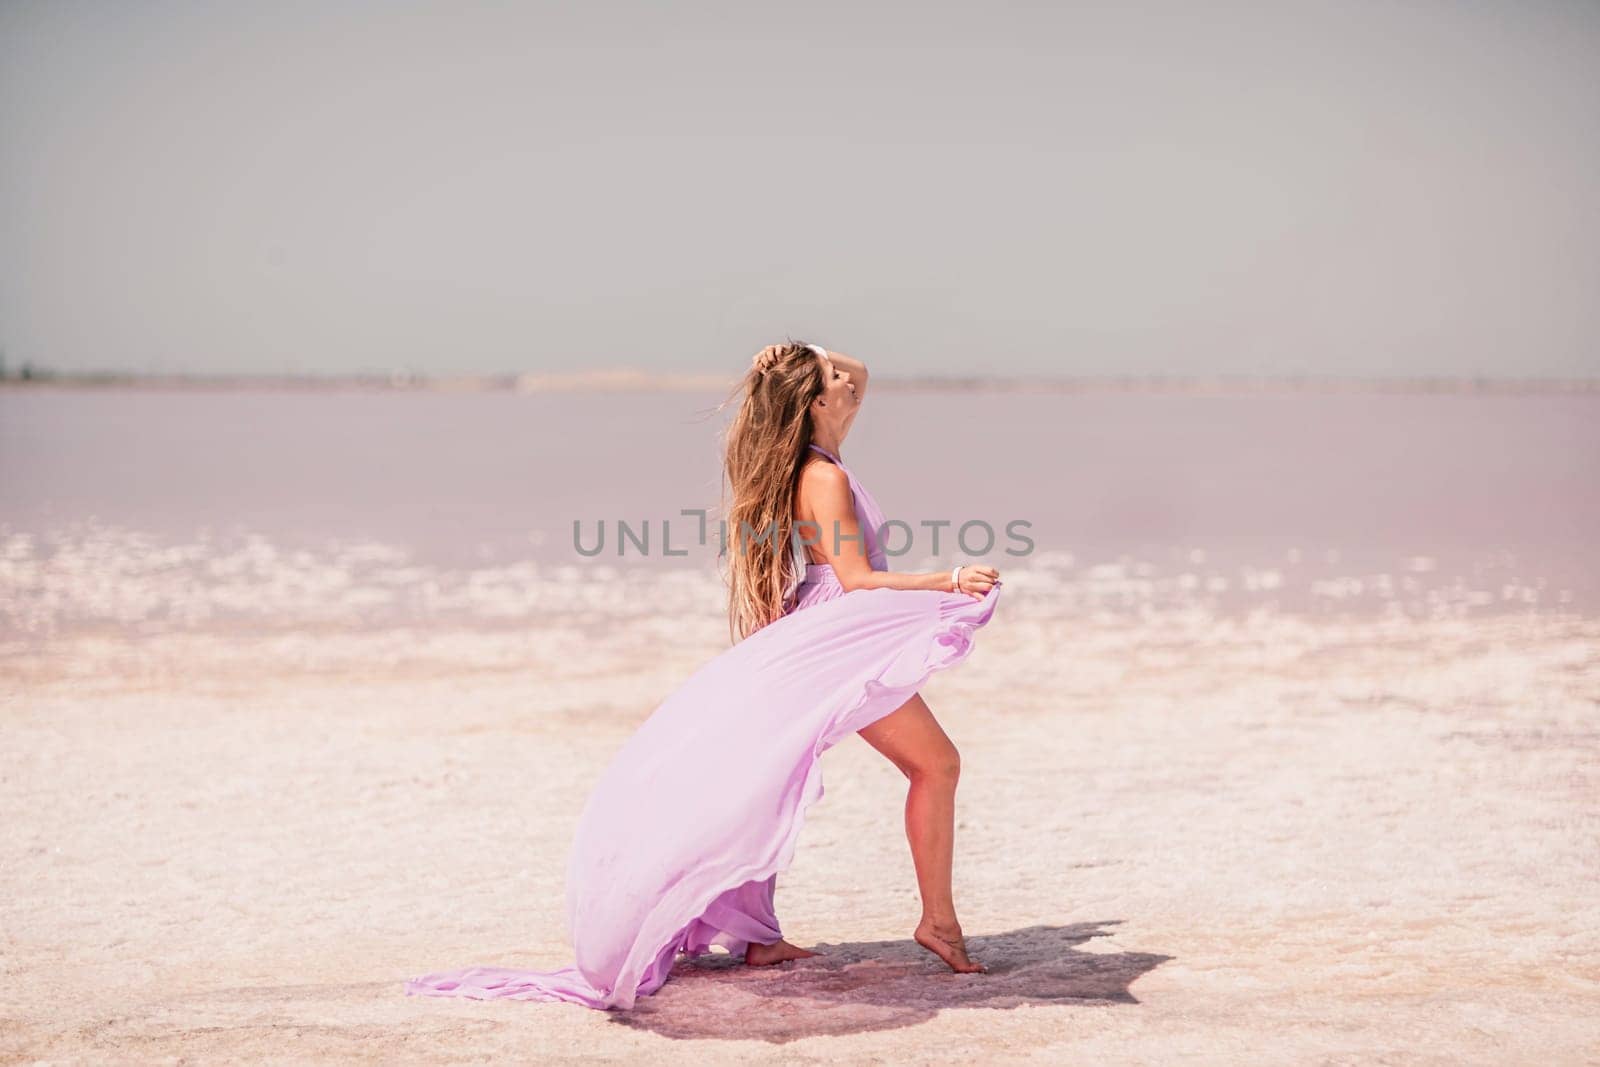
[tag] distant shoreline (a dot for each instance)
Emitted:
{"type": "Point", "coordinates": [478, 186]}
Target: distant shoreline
{"type": "Point", "coordinates": [632, 381]}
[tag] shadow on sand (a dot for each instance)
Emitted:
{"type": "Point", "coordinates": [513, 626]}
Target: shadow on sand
{"type": "Point", "coordinates": [881, 985]}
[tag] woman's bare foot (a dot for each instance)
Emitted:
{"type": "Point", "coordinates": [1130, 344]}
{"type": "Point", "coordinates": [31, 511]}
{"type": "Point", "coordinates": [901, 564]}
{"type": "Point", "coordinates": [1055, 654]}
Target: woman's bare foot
{"type": "Point", "coordinates": [759, 955]}
{"type": "Point", "coordinates": [946, 942]}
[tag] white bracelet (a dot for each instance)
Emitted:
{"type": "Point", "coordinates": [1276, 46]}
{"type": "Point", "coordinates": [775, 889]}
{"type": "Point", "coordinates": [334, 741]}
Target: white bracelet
{"type": "Point", "coordinates": [955, 579]}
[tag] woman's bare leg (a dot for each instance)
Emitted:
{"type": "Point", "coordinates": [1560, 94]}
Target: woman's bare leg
{"type": "Point", "coordinates": [912, 739]}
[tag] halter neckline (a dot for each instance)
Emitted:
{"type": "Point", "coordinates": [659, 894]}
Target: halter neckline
{"type": "Point", "coordinates": [825, 452]}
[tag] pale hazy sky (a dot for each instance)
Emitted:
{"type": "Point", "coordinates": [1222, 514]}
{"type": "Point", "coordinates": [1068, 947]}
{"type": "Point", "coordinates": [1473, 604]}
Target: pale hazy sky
{"type": "Point", "coordinates": [1274, 187]}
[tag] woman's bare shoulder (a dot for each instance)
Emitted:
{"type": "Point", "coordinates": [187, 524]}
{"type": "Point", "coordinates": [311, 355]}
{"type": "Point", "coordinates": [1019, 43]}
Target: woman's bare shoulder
{"type": "Point", "coordinates": [822, 481]}
{"type": "Point", "coordinates": [822, 473]}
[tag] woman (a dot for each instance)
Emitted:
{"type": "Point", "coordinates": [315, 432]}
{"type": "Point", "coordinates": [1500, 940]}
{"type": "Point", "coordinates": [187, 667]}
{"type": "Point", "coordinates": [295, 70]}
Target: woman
{"type": "Point", "coordinates": [679, 845]}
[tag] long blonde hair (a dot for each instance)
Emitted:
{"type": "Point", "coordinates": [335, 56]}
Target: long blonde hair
{"type": "Point", "coordinates": [764, 448]}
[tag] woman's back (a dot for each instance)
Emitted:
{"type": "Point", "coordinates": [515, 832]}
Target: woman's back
{"type": "Point", "coordinates": [818, 582]}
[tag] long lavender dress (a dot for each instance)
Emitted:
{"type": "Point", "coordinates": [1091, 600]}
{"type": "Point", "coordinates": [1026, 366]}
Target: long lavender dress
{"type": "Point", "coordinates": [680, 844]}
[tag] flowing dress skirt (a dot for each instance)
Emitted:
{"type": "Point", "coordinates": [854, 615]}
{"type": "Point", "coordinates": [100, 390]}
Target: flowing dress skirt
{"type": "Point", "coordinates": [680, 843]}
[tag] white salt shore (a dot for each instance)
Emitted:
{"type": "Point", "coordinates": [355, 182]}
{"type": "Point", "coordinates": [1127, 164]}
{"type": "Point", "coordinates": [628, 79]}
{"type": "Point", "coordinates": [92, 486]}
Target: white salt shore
{"type": "Point", "coordinates": [1181, 839]}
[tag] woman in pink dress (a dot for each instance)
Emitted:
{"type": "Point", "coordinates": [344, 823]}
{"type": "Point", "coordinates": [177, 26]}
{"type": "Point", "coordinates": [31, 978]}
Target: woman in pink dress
{"type": "Point", "coordinates": [680, 843]}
